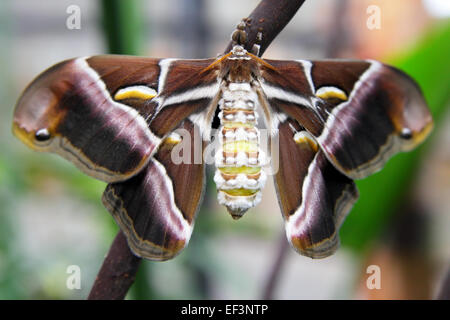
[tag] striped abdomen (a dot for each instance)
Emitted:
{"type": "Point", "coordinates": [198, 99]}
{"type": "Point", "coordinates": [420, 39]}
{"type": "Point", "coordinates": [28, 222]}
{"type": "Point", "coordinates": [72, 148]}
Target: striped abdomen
{"type": "Point", "coordinates": [239, 176]}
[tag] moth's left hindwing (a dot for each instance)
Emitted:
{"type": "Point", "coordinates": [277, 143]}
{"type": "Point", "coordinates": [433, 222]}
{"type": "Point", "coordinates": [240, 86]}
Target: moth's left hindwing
{"type": "Point", "coordinates": [360, 112]}
{"type": "Point", "coordinates": [156, 209]}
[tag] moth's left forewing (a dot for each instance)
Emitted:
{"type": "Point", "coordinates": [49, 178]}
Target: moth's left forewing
{"type": "Point", "coordinates": [77, 109]}
{"type": "Point", "coordinates": [360, 112]}
{"type": "Point", "coordinates": [156, 209]}
{"type": "Point", "coordinates": [108, 114]}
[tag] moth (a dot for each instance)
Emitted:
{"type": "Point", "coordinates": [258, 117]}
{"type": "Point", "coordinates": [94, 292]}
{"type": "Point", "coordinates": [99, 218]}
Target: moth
{"type": "Point", "coordinates": [116, 118]}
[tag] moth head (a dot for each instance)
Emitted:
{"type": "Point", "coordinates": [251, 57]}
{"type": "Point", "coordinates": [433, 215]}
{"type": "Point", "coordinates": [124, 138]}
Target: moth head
{"type": "Point", "coordinates": [38, 111]}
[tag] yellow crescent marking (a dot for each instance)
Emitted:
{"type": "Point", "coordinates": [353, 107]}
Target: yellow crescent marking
{"type": "Point", "coordinates": [303, 137]}
{"type": "Point", "coordinates": [136, 92]}
{"type": "Point", "coordinates": [331, 93]}
{"type": "Point", "coordinates": [173, 138]}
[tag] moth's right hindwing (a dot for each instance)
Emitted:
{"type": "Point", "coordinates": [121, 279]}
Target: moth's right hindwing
{"type": "Point", "coordinates": [314, 197]}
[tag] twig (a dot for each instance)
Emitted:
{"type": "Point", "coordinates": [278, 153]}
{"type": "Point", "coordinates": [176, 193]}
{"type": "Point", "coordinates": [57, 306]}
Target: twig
{"type": "Point", "coordinates": [444, 290]}
{"type": "Point", "coordinates": [339, 37]}
{"type": "Point", "coordinates": [269, 18]}
{"type": "Point", "coordinates": [274, 274]}
{"type": "Point", "coordinates": [120, 265]}
{"type": "Point", "coordinates": [117, 273]}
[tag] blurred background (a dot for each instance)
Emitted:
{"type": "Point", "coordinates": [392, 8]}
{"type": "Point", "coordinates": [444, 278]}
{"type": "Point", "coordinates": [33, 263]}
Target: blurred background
{"type": "Point", "coordinates": [51, 214]}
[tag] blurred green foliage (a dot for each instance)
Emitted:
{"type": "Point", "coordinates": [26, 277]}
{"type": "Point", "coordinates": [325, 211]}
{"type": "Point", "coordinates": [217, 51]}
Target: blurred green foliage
{"type": "Point", "coordinates": [123, 25]}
